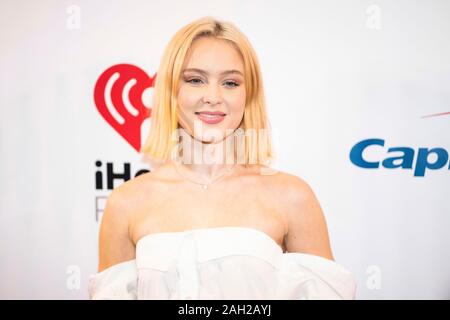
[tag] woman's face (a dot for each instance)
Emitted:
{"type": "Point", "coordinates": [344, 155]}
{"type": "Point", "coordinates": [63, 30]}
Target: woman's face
{"type": "Point", "coordinates": [212, 80]}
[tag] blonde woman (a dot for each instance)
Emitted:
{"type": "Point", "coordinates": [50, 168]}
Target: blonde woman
{"type": "Point", "coordinates": [212, 220]}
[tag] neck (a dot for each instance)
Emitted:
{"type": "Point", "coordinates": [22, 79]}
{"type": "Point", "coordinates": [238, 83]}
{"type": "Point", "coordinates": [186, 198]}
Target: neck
{"type": "Point", "coordinates": [207, 160]}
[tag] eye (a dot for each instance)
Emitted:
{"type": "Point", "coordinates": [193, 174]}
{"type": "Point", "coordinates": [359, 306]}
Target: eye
{"type": "Point", "coordinates": [194, 80]}
{"type": "Point", "coordinates": [232, 83]}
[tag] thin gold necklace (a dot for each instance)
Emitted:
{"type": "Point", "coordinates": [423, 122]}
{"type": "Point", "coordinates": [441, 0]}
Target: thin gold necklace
{"type": "Point", "coordinates": [202, 184]}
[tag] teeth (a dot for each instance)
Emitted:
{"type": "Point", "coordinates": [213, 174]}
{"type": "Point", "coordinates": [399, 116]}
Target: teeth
{"type": "Point", "coordinates": [211, 115]}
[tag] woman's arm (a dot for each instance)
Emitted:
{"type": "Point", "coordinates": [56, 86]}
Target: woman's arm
{"type": "Point", "coordinates": [115, 244]}
{"type": "Point", "coordinates": [307, 228]}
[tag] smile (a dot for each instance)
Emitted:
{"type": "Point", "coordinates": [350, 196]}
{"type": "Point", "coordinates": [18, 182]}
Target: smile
{"type": "Point", "coordinates": [210, 118]}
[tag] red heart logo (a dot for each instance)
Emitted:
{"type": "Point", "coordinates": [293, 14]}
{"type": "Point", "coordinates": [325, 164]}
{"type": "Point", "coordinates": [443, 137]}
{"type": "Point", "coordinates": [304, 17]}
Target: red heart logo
{"type": "Point", "coordinates": [118, 96]}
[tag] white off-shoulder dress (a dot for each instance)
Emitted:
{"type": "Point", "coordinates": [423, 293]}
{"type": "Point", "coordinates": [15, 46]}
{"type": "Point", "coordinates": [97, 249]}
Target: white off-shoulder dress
{"type": "Point", "coordinates": [221, 263]}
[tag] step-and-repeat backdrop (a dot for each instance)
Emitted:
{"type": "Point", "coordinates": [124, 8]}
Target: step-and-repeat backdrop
{"type": "Point", "coordinates": [358, 95]}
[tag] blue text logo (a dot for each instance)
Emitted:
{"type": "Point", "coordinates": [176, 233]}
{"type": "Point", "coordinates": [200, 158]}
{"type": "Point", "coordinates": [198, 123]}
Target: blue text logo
{"type": "Point", "coordinates": [404, 161]}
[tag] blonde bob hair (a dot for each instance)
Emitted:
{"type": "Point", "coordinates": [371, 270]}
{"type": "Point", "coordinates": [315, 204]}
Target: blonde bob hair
{"type": "Point", "coordinates": [160, 143]}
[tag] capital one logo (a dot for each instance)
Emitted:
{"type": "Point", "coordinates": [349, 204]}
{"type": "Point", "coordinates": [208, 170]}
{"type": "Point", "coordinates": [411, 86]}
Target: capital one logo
{"type": "Point", "coordinates": [122, 95]}
{"type": "Point", "coordinates": [400, 157]}
{"type": "Point", "coordinates": [404, 157]}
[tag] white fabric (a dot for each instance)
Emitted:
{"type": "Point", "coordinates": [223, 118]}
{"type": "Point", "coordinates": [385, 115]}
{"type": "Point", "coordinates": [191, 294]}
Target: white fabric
{"type": "Point", "coordinates": [221, 263]}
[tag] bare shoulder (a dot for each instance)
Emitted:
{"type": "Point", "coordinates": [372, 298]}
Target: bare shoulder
{"type": "Point", "coordinates": [288, 185]}
{"type": "Point", "coordinates": [115, 242]}
{"type": "Point", "coordinates": [306, 224]}
{"type": "Point", "coordinates": [289, 181]}
{"type": "Point", "coordinates": [292, 188]}
{"type": "Point", "coordinates": [136, 190]}
{"type": "Point", "coordinates": [135, 184]}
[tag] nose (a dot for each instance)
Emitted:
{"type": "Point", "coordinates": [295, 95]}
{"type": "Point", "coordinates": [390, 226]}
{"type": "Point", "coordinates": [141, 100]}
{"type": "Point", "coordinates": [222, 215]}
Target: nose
{"type": "Point", "coordinates": [212, 95]}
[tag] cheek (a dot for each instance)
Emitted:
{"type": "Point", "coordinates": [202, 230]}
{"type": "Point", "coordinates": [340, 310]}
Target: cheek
{"type": "Point", "coordinates": [237, 101]}
{"type": "Point", "coordinates": [187, 98]}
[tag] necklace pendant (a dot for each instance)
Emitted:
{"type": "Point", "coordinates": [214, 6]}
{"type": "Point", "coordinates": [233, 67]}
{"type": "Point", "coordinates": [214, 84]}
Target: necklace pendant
{"type": "Point", "coordinates": [205, 186]}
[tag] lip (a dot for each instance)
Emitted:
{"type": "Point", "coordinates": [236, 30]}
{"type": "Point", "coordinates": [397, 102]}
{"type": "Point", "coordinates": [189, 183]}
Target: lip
{"type": "Point", "coordinates": [211, 112]}
{"type": "Point", "coordinates": [211, 117]}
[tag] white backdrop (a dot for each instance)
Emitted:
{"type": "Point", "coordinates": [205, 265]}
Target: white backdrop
{"type": "Point", "coordinates": [335, 73]}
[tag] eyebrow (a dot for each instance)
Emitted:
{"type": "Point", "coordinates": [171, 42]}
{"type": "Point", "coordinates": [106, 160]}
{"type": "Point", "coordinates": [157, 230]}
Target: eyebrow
{"type": "Point", "coordinates": [206, 72]}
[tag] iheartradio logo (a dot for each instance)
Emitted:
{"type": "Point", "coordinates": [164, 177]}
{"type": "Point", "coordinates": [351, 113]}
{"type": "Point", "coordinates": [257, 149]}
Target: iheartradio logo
{"type": "Point", "coordinates": [123, 95]}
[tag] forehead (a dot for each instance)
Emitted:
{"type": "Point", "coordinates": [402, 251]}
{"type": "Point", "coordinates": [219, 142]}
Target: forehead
{"type": "Point", "coordinates": [214, 55]}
